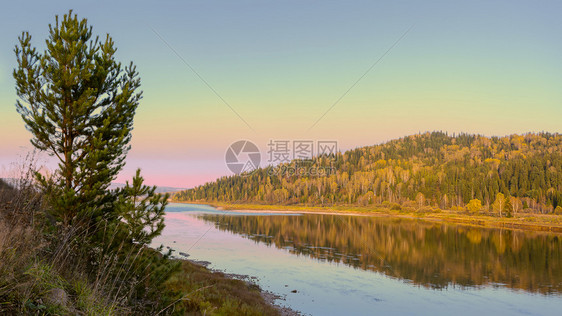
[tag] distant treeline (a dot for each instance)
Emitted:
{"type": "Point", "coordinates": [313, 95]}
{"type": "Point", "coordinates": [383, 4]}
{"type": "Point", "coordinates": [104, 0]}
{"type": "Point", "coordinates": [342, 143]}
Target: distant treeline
{"type": "Point", "coordinates": [424, 171]}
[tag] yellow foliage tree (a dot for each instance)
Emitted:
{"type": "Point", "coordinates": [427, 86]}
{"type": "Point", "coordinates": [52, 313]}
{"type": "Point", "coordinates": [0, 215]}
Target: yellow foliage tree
{"type": "Point", "coordinates": [499, 203]}
{"type": "Point", "coordinates": [420, 199]}
{"type": "Point", "coordinates": [474, 206]}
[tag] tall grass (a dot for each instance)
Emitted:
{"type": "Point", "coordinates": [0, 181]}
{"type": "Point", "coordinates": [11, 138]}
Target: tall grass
{"type": "Point", "coordinates": [34, 261]}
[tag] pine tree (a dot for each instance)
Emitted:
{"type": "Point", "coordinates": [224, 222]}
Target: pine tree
{"type": "Point", "coordinates": [141, 209]}
{"type": "Point", "coordinates": [79, 102]}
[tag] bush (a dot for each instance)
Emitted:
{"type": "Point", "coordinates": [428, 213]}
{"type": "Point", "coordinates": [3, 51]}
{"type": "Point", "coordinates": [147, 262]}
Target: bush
{"type": "Point", "coordinates": [474, 206]}
{"type": "Point", "coordinates": [426, 209]}
{"type": "Point", "coordinates": [458, 208]}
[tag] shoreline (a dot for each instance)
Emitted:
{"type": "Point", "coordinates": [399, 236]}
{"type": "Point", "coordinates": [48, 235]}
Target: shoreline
{"type": "Point", "coordinates": [268, 297]}
{"type": "Point", "coordinates": [525, 221]}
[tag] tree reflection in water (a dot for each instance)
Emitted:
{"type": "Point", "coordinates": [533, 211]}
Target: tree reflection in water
{"type": "Point", "coordinates": [433, 255]}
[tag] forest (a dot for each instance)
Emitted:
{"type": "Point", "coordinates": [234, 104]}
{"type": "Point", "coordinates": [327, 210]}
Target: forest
{"type": "Point", "coordinates": [429, 171]}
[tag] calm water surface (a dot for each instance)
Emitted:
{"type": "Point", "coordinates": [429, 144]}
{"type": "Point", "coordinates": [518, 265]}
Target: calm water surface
{"type": "Point", "coordinates": [358, 265]}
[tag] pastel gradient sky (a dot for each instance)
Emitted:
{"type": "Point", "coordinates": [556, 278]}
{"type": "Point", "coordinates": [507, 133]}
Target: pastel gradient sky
{"type": "Point", "coordinates": [488, 67]}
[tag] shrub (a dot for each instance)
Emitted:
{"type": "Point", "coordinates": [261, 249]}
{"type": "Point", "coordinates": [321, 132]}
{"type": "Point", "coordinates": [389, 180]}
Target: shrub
{"type": "Point", "coordinates": [474, 206]}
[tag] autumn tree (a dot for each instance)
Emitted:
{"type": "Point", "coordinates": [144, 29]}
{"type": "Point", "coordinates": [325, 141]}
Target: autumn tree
{"type": "Point", "coordinates": [420, 199]}
{"type": "Point", "coordinates": [516, 204]}
{"type": "Point", "coordinates": [499, 204]}
{"type": "Point", "coordinates": [474, 206]}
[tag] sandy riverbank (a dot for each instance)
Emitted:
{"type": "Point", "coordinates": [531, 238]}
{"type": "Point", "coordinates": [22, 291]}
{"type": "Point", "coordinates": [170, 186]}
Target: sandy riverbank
{"type": "Point", "coordinates": [524, 221]}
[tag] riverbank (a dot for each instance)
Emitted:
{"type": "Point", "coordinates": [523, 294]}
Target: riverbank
{"type": "Point", "coordinates": [213, 292]}
{"type": "Point", "coordinates": [521, 221]}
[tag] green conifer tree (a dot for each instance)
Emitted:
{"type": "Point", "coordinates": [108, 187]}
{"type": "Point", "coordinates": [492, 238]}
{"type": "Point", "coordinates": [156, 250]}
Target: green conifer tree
{"type": "Point", "coordinates": [79, 102]}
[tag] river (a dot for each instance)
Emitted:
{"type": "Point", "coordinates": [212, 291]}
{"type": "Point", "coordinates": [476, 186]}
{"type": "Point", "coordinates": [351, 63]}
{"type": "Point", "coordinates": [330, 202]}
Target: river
{"type": "Point", "coordinates": [363, 265]}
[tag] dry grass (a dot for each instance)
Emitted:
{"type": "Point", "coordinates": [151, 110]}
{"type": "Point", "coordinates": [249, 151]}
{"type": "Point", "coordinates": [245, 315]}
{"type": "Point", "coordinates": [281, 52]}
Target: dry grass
{"type": "Point", "coordinates": [18, 246]}
{"type": "Point", "coordinates": [29, 268]}
{"type": "Point", "coordinates": [213, 293]}
{"type": "Point", "coordinates": [28, 274]}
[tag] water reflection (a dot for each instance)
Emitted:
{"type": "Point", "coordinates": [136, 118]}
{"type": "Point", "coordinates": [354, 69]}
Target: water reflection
{"type": "Point", "coordinates": [432, 255]}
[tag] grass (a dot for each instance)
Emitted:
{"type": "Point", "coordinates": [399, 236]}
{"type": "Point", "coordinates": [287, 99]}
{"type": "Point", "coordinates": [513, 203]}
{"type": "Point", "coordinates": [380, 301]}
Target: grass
{"type": "Point", "coordinates": [213, 293]}
{"type": "Point", "coordinates": [523, 221]}
{"type": "Point", "coordinates": [28, 275]}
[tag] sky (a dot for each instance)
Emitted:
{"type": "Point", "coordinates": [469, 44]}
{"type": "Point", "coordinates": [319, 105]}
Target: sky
{"type": "Point", "coordinates": [356, 72]}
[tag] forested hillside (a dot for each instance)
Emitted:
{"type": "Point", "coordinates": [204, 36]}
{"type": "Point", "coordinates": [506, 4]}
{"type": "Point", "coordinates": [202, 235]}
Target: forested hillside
{"type": "Point", "coordinates": [426, 171]}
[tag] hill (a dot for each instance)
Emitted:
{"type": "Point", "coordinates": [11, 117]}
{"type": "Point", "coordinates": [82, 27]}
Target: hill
{"type": "Point", "coordinates": [516, 173]}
